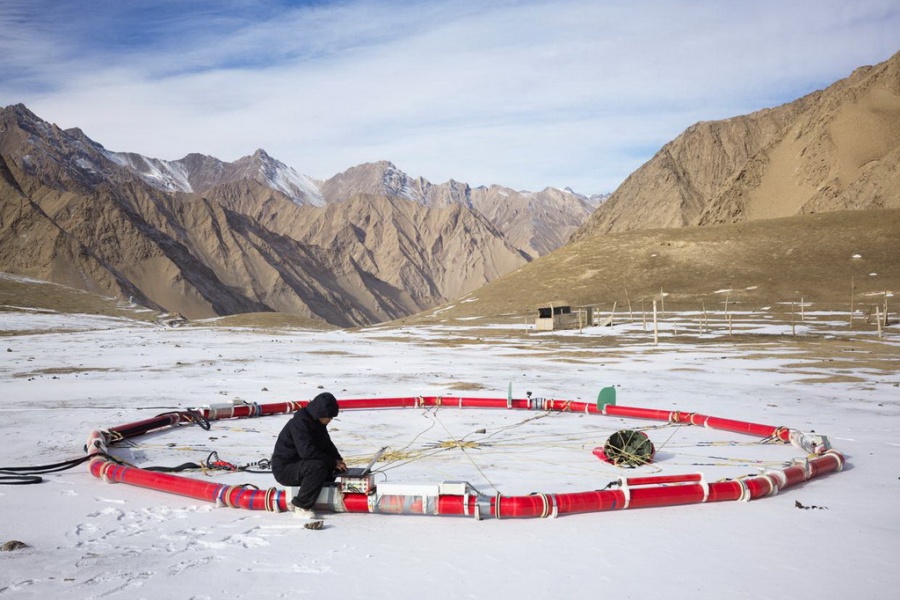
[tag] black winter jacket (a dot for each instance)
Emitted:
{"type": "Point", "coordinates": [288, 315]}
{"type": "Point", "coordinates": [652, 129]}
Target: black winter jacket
{"type": "Point", "coordinates": [304, 437]}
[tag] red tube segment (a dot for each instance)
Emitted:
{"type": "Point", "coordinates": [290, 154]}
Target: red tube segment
{"type": "Point", "coordinates": [254, 410]}
{"type": "Point", "coordinates": [365, 404]}
{"type": "Point", "coordinates": [228, 495]}
{"type": "Point", "coordinates": [666, 495]}
{"type": "Point", "coordinates": [727, 424]}
{"type": "Point", "coordinates": [773, 481]}
{"type": "Point", "coordinates": [661, 479]}
{"type": "Point", "coordinates": [228, 411]}
{"type": "Point", "coordinates": [581, 502]}
{"type": "Point", "coordinates": [146, 425]}
{"type": "Point", "coordinates": [251, 410]}
{"type": "Point", "coordinates": [638, 413]}
{"type": "Point", "coordinates": [641, 492]}
{"type": "Point", "coordinates": [721, 491]}
{"type": "Point", "coordinates": [455, 505]}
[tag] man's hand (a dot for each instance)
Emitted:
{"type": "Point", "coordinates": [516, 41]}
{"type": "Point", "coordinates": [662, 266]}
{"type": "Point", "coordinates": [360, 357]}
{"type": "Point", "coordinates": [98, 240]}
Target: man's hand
{"type": "Point", "coordinates": [340, 466]}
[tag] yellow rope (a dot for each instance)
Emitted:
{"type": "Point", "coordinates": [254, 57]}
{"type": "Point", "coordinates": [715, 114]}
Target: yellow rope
{"type": "Point", "coordinates": [466, 454]}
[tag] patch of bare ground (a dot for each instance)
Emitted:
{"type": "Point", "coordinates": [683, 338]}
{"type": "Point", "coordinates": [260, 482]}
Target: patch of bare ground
{"type": "Point", "coordinates": [454, 342]}
{"type": "Point", "coordinates": [17, 293]}
{"type": "Point", "coordinates": [57, 371]}
{"type": "Point", "coordinates": [816, 378]}
{"type": "Point", "coordinates": [848, 360]}
{"type": "Point", "coordinates": [833, 379]}
{"type": "Point", "coordinates": [392, 338]}
{"type": "Point", "coordinates": [831, 358]}
{"type": "Point", "coordinates": [464, 386]}
{"type": "Point", "coordinates": [822, 260]}
{"type": "Point", "coordinates": [815, 347]}
{"type": "Point", "coordinates": [269, 321]}
{"type": "Point", "coordinates": [26, 332]}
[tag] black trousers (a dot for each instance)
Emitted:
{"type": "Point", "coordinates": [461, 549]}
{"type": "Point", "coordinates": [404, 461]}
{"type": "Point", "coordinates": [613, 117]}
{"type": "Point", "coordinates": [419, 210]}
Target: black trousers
{"type": "Point", "coordinates": [310, 475]}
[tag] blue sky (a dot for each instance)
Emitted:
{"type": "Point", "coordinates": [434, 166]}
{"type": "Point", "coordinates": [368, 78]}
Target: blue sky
{"type": "Point", "coordinates": [522, 93]}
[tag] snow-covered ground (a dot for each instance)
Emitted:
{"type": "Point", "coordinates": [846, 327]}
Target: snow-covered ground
{"type": "Point", "coordinates": [70, 374]}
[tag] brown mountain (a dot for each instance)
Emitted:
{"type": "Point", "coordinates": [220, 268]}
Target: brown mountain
{"type": "Point", "coordinates": [393, 257]}
{"type": "Point", "coordinates": [534, 222]}
{"type": "Point", "coordinates": [70, 213]}
{"type": "Point", "coordinates": [835, 149]}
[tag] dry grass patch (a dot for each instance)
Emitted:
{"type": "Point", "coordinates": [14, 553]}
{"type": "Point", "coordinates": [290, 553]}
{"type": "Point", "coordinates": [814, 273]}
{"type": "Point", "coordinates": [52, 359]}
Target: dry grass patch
{"type": "Point", "coordinates": [26, 332]}
{"type": "Point", "coordinates": [768, 263]}
{"type": "Point", "coordinates": [464, 386]}
{"type": "Point", "coordinates": [26, 293]}
{"type": "Point", "coordinates": [455, 342]}
{"type": "Point", "coordinates": [269, 321]}
{"type": "Point", "coordinates": [405, 339]}
{"type": "Point", "coordinates": [833, 379]}
{"type": "Point", "coordinates": [56, 371]}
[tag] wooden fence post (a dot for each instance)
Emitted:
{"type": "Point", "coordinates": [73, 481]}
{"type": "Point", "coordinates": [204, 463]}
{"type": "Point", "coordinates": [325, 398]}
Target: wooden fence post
{"type": "Point", "coordinates": [655, 326]}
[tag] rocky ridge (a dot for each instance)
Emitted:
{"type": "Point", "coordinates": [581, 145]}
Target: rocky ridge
{"type": "Point", "coordinates": [534, 222]}
{"type": "Point", "coordinates": [834, 149]}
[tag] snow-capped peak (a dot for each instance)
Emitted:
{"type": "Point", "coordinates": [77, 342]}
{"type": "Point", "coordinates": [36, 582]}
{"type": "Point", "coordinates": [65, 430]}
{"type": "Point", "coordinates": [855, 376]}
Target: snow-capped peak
{"type": "Point", "coordinates": [170, 176]}
{"type": "Point", "coordinates": [300, 188]}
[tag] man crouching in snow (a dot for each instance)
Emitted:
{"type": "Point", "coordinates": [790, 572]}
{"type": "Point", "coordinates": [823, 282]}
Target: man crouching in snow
{"type": "Point", "coordinates": [304, 454]}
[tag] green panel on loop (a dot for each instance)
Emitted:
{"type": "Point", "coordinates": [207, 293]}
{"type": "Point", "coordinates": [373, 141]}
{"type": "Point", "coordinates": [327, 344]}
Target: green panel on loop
{"type": "Point", "coordinates": [606, 397]}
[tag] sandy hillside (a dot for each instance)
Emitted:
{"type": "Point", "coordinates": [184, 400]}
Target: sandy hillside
{"type": "Point", "coordinates": [834, 149]}
{"type": "Point", "coordinates": [821, 259]}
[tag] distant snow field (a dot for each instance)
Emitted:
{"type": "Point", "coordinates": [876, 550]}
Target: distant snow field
{"type": "Point", "coordinates": [61, 376]}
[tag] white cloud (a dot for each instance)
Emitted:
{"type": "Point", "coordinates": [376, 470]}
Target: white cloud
{"type": "Point", "coordinates": [526, 94]}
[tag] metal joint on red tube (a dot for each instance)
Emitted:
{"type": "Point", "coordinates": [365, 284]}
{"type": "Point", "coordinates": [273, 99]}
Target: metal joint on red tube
{"type": "Point", "coordinates": [97, 442]}
{"type": "Point", "coordinates": [482, 507]}
{"type": "Point", "coordinates": [773, 486]}
{"type": "Point", "coordinates": [838, 457]}
{"type": "Point", "coordinates": [705, 487]}
{"type": "Point", "coordinates": [781, 478]}
{"type": "Point", "coordinates": [803, 463]}
{"type": "Point", "coordinates": [626, 491]}
{"type": "Point", "coordinates": [745, 491]}
{"type": "Point", "coordinates": [104, 472]}
{"type": "Point", "coordinates": [550, 508]}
